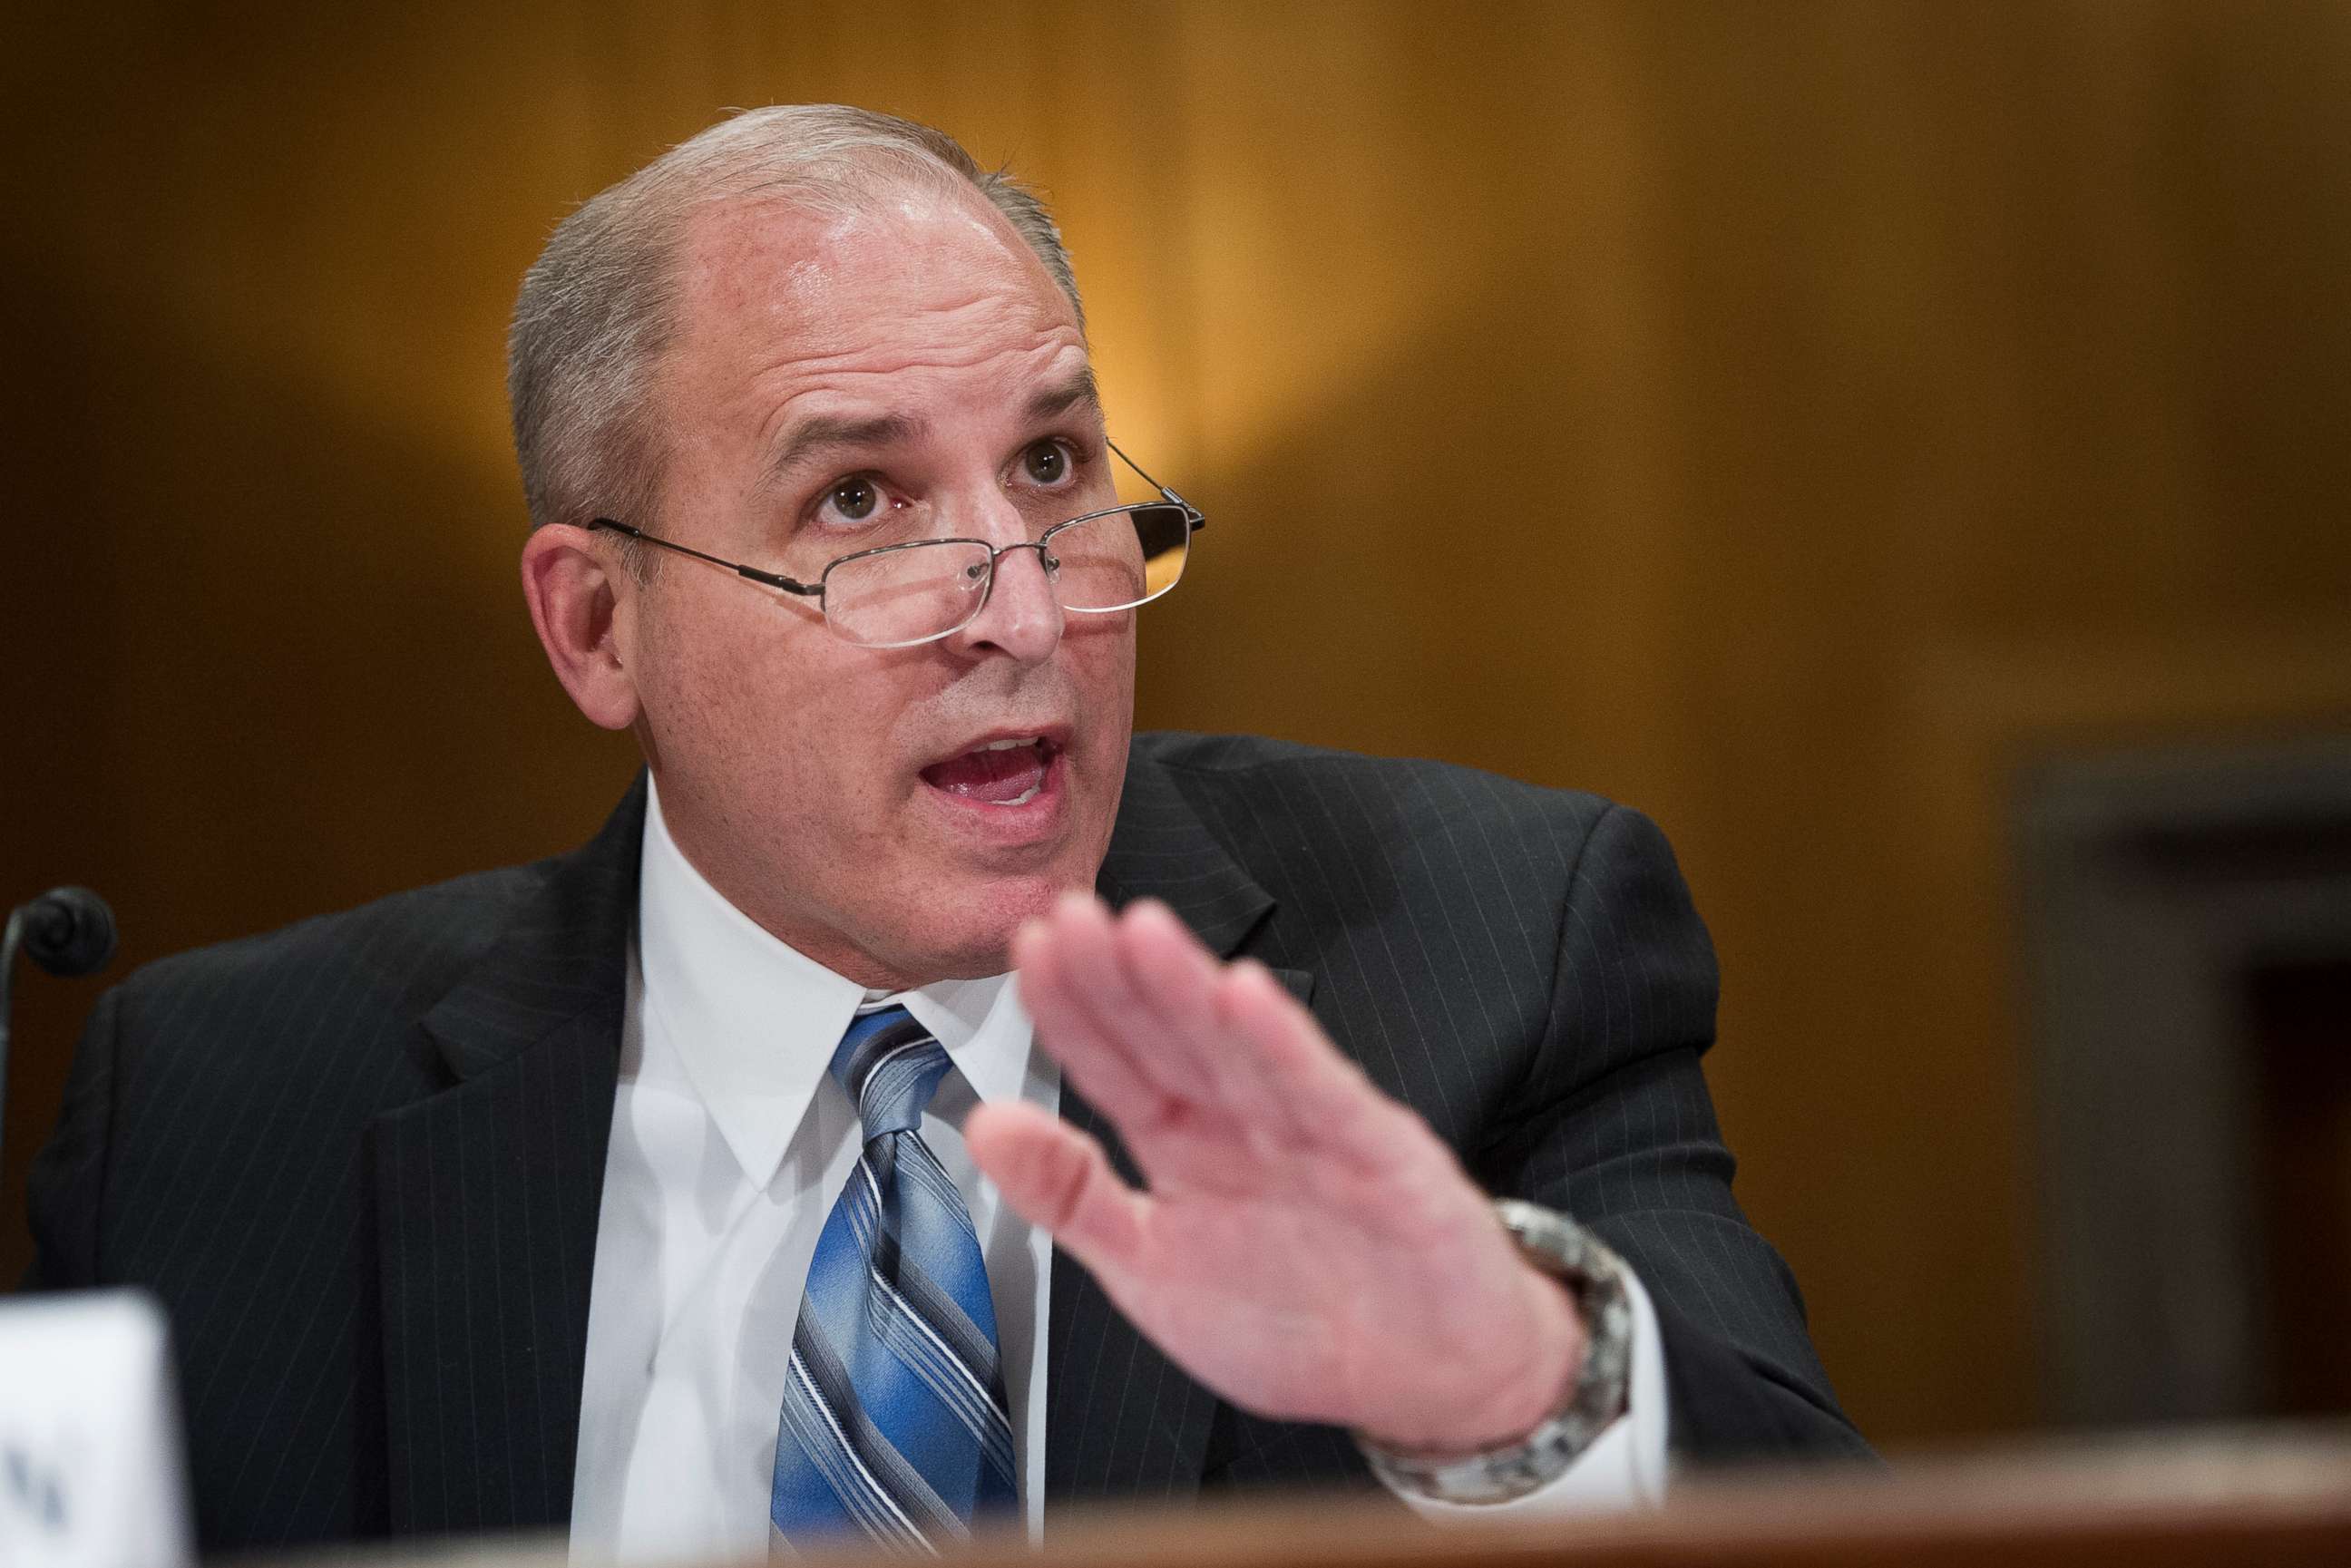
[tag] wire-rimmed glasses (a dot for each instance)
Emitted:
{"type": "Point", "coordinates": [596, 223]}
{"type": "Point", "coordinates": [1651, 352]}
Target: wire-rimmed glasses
{"type": "Point", "coordinates": [898, 595]}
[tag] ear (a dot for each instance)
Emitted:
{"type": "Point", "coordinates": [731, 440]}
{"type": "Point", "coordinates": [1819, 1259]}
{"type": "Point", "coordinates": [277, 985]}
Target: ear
{"type": "Point", "coordinates": [580, 605]}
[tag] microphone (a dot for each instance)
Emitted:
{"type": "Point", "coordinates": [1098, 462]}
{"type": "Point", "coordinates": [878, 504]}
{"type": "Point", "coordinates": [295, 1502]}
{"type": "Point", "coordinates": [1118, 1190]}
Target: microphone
{"type": "Point", "coordinates": [67, 931]}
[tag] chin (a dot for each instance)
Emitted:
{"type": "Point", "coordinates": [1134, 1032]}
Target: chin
{"type": "Point", "coordinates": [975, 938]}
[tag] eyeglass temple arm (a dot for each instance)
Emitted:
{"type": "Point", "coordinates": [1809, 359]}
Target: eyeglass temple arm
{"type": "Point", "coordinates": [772, 579]}
{"type": "Point", "coordinates": [1191, 511]}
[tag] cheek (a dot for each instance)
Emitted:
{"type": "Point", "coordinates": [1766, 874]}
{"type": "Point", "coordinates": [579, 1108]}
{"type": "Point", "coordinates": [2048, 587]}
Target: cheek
{"type": "Point", "coordinates": [808, 741]}
{"type": "Point", "coordinates": [1101, 665]}
{"type": "Point", "coordinates": [718, 683]}
{"type": "Point", "coordinates": [1100, 660]}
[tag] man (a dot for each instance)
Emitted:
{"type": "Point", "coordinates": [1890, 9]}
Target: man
{"type": "Point", "coordinates": [711, 1185]}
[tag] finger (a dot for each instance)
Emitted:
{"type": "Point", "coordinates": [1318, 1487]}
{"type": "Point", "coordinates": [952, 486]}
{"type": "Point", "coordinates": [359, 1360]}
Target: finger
{"type": "Point", "coordinates": [1329, 1101]}
{"type": "Point", "coordinates": [1176, 979]}
{"type": "Point", "coordinates": [1099, 1070]}
{"type": "Point", "coordinates": [1101, 1004]}
{"type": "Point", "coordinates": [1056, 1177]}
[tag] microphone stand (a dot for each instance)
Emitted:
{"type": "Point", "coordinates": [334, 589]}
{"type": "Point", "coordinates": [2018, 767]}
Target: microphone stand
{"type": "Point", "coordinates": [75, 936]}
{"type": "Point", "coordinates": [9, 943]}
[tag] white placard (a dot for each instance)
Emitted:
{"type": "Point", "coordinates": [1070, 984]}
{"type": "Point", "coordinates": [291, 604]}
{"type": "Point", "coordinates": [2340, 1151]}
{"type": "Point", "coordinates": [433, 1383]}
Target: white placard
{"type": "Point", "coordinates": [90, 1443]}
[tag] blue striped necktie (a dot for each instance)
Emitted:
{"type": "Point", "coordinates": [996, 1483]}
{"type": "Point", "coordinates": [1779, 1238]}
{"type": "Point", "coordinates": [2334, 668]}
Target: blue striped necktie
{"type": "Point", "coordinates": [894, 1420]}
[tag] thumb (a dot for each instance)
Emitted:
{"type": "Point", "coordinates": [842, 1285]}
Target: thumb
{"type": "Point", "coordinates": [1058, 1179]}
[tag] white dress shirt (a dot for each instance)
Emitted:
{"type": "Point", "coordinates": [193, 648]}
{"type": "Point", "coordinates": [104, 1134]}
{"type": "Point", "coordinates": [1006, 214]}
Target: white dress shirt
{"type": "Point", "coordinates": [730, 1142]}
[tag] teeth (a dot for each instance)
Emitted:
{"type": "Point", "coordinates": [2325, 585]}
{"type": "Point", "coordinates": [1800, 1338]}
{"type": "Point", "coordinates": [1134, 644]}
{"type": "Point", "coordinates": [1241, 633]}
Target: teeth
{"type": "Point", "coordinates": [1023, 797]}
{"type": "Point", "coordinates": [1008, 745]}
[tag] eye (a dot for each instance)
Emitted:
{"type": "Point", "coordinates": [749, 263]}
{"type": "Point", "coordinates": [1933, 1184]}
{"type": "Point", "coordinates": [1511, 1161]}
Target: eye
{"type": "Point", "coordinates": [851, 500]}
{"type": "Point", "coordinates": [1047, 462]}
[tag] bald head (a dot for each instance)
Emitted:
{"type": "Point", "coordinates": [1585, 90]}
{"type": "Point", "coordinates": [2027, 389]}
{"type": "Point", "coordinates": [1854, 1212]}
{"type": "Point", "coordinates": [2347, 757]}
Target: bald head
{"type": "Point", "coordinates": [600, 306]}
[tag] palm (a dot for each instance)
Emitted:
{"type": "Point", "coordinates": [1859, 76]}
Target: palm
{"type": "Point", "coordinates": [1307, 1248]}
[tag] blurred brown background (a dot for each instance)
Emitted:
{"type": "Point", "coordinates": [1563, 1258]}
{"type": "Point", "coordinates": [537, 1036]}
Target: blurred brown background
{"type": "Point", "coordinates": [1798, 421]}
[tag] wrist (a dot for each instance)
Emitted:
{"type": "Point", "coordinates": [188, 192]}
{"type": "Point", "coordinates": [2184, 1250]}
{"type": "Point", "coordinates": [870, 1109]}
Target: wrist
{"type": "Point", "coordinates": [1596, 1388]}
{"type": "Point", "coordinates": [1542, 1380]}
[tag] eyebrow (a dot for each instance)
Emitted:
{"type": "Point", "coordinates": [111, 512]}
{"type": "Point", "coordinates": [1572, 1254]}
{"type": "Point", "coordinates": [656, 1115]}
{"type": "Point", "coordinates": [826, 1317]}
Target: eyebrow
{"type": "Point", "coordinates": [1080, 390]}
{"type": "Point", "coordinates": [822, 435]}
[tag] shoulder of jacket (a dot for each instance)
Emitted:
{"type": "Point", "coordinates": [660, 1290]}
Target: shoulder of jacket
{"type": "Point", "coordinates": [405, 944]}
{"type": "Point", "coordinates": [1412, 791]}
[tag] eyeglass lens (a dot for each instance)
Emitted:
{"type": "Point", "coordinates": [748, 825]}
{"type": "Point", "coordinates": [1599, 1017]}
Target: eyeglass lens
{"type": "Point", "coordinates": [917, 592]}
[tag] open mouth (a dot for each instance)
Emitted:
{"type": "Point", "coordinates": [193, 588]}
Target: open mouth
{"type": "Point", "coordinates": [1011, 771]}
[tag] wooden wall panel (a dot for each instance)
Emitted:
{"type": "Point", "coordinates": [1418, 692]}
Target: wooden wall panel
{"type": "Point", "coordinates": [1788, 419]}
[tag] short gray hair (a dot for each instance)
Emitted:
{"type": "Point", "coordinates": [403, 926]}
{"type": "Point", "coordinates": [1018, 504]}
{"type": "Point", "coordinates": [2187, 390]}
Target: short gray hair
{"type": "Point", "coordinates": [600, 306]}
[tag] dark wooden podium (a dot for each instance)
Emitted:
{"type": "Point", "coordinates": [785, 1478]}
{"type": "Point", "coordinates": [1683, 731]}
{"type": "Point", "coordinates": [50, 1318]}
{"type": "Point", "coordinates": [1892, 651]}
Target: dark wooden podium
{"type": "Point", "coordinates": [2264, 1497]}
{"type": "Point", "coordinates": [2261, 1500]}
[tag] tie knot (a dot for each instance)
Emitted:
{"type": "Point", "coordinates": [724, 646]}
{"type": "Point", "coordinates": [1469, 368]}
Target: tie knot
{"type": "Point", "coordinates": [889, 1065]}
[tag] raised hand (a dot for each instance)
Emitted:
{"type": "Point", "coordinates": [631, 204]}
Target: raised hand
{"type": "Point", "coordinates": [1307, 1247]}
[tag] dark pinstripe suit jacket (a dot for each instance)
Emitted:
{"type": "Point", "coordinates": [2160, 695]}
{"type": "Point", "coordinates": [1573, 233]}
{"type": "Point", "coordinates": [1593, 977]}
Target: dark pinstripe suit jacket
{"type": "Point", "coordinates": [360, 1159]}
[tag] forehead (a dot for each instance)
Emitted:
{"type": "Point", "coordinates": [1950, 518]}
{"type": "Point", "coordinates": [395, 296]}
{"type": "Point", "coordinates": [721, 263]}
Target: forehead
{"type": "Point", "coordinates": [915, 277]}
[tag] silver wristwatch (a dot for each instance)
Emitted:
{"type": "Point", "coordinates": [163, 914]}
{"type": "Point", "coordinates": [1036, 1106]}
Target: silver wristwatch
{"type": "Point", "coordinates": [1596, 1277]}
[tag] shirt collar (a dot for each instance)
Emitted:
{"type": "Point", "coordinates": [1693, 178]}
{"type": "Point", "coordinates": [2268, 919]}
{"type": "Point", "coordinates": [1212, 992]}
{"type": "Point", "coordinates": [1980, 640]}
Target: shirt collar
{"type": "Point", "coordinates": [755, 1021]}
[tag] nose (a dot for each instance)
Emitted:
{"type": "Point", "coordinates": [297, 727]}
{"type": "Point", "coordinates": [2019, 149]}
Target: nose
{"type": "Point", "coordinates": [1022, 614]}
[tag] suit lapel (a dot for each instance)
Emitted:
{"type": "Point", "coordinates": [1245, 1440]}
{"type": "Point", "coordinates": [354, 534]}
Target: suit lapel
{"type": "Point", "coordinates": [1122, 1420]}
{"type": "Point", "coordinates": [487, 1198]}
{"type": "Point", "coordinates": [488, 1195]}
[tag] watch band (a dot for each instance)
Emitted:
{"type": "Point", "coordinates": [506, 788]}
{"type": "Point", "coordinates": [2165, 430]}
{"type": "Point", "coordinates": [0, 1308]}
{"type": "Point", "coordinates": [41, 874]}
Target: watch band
{"type": "Point", "coordinates": [1596, 1277]}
